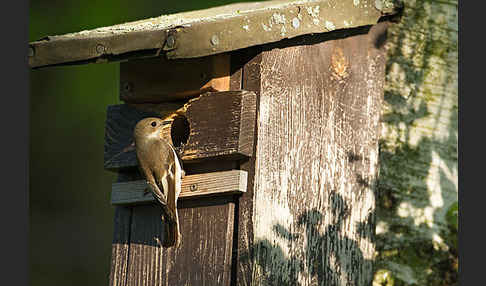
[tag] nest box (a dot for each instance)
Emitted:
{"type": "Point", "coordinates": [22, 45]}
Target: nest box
{"type": "Point", "coordinates": [279, 139]}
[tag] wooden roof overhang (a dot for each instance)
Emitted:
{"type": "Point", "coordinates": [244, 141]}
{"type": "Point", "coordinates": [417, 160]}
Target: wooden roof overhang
{"type": "Point", "coordinates": [209, 31]}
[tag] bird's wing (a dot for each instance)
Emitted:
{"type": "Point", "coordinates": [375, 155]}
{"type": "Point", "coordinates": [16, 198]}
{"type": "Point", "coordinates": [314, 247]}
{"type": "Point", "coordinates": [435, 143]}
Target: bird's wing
{"type": "Point", "coordinates": [160, 191]}
{"type": "Point", "coordinates": [153, 182]}
{"type": "Point", "coordinates": [177, 172]}
{"type": "Point", "coordinates": [167, 176]}
{"type": "Point", "coordinates": [174, 178]}
{"type": "Point", "coordinates": [175, 184]}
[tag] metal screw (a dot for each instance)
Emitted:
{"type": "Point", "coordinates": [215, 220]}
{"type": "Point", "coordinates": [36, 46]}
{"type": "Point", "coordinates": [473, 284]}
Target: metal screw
{"type": "Point", "coordinates": [100, 48]}
{"type": "Point", "coordinates": [170, 41]}
{"type": "Point", "coordinates": [214, 40]}
{"type": "Point", "coordinates": [193, 187]}
{"type": "Point", "coordinates": [31, 51]}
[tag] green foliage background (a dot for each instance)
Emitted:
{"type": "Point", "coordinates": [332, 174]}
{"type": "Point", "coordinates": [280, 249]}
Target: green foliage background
{"type": "Point", "coordinates": [71, 219]}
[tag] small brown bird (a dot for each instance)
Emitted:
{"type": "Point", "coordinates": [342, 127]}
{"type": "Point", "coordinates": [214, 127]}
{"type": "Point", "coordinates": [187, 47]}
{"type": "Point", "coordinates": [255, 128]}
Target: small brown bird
{"type": "Point", "coordinates": [162, 169]}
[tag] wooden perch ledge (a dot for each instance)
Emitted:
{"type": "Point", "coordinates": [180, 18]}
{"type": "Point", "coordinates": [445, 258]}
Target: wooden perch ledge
{"type": "Point", "coordinates": [215, 183]}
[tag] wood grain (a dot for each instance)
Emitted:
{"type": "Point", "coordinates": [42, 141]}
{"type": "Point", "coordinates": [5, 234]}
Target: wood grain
{"type": "Point", "coordinates": [204, 257]}
{"type": "Point", "coordinates": [243, 264]}
{"type": "Point", "coordinates": [207, 184]}
{"type": "Point", "coordinates": [221, 126]}
{"type": "Point", "coordinates": [158, 80]}
{"type": "Point", "coordinates": [308, 215]}
{"type": "Point", "coordinates": [206, 32]}
{"type": "Point", "coordinates": [120, 246]}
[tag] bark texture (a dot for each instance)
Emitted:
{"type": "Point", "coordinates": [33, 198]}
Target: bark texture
{"type": "Point", "coordinates": [417, 207]}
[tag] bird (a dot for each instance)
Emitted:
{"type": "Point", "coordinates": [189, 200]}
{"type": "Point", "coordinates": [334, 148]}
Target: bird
{"type": "Point", "coordinates": [161, 166]}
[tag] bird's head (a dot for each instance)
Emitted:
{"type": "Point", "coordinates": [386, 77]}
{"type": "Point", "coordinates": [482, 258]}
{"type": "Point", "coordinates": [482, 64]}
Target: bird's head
{"type": "Point", "coordinates": [151, 128]}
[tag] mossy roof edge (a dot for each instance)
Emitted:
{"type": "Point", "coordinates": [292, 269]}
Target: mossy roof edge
{"type": "Point", "coordinates": [209, 31]}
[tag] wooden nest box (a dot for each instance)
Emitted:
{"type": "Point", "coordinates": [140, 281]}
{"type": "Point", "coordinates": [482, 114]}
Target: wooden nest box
{"type": "Point", "coordinates": [279, 139]}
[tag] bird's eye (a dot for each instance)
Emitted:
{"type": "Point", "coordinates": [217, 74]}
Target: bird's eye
{"type": "Point", "coordinates": [153, 124]}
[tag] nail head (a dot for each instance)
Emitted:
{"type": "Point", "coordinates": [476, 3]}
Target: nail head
{"type": "Point", "coordinates": [214, 40]}
{"type": "Point", "coordinates": [170, 41]}
{"type": "Point", "coordinates": [100, 48]}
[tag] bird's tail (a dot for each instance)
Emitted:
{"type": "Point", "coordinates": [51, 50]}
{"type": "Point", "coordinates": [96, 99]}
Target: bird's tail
{"type": "Point", "coordinates": [172, 232]}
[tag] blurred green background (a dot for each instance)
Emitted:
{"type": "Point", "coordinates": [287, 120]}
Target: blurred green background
{"type": "Point", "coordinates": [71, 219]}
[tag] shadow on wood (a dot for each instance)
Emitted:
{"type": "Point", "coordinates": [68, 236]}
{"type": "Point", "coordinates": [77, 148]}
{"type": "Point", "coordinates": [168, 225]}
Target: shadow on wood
{"type": "Point", "coordinates": [207, 235]}
{"type": "Point", "coordinates": [158, 79]}
{"type": "Point", "coordinates": [324, 264]}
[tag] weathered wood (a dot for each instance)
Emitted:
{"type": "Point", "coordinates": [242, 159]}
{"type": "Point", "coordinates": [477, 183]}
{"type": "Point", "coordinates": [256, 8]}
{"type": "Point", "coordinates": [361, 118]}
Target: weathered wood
{"type": "Point", "coordinates": [121, 237]}
{"type": "Point", "coordinates": [236, 70]}
{"type": "Point", "coordinates": [159, 80]}
{"type": "Point", "coordinates": [121, 243]}
{"type": "Point", "coordinates": [221, 126]}
{"type": "Point", "coordinates": [207, 32]}
{"type": "Point", "coordinates": [308, 215]}
{"type": "Point", "coordinates": [205, 254]}
{"type": "Point", "coordinates": [207, 184]}
{"type": "Point", "coordinates": [309, 219]}
{"type": "Point", "coordinates": [251, 80]}
{"type": "Point", "coordinates": [120, 246]}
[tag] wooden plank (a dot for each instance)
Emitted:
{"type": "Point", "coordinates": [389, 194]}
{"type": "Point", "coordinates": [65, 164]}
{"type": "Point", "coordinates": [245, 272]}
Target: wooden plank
{"type": "Point", "coordinates": [120, 246]}
{"type": "Point", "coordinates": [243, 251]}
{"type": "Point", "coordinates": [221, 126]}
{"type": "Point", "coordinates": [238, 61]}
{"type": "Point", "coordinates": [158, 80]}
{"type": "Point", "coordinates": [205, 254]}
{"type": "Point", "coordinates": [308, 215]}
{"type": "Point", "coordinates": [236, 70]}
{"type": "Point", "coordinates": [121, 240]}
{"type": "Point", "coordinates": [207, 184]}
{"type": "Point", "coordinates": [206, 32]}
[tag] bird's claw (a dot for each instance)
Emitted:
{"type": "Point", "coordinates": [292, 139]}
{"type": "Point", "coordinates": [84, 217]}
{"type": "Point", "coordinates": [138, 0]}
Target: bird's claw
{"type": "Point", "coordinates": [146, 191]}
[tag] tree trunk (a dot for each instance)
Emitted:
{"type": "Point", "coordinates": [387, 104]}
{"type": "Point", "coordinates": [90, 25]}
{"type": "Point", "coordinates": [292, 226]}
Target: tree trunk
{"type": "Point", "coordinates": [417, 206]}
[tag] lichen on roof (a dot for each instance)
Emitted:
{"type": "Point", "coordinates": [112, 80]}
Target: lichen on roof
{"type": "Point", "coordinates": [209, 31]}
